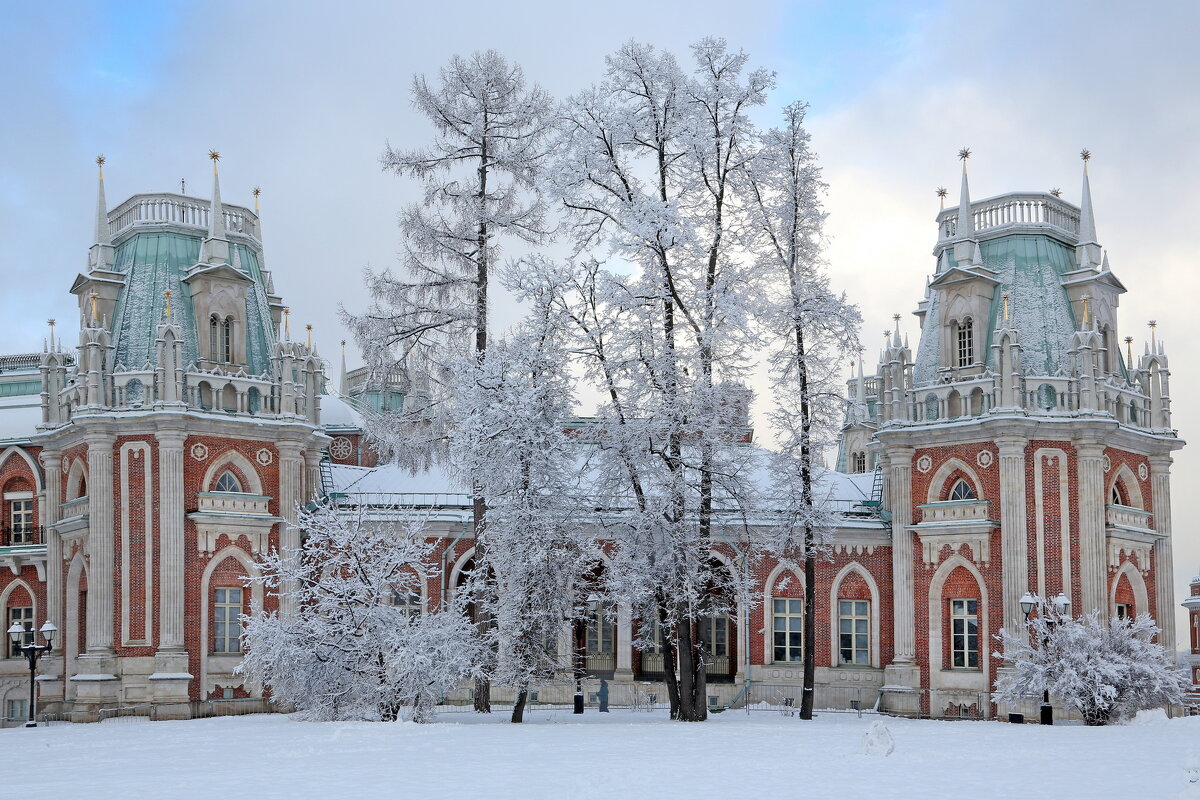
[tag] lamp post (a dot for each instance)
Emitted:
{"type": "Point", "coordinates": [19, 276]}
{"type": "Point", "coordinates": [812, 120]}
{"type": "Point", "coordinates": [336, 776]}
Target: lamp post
{"type": "Point", "coordinates": [32, 653]}
{"type": "Point", "coordinates": [1062, 608]}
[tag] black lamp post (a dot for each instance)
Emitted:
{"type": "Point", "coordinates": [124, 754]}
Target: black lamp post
{"type": "Point", "coordinates": [1062, 608]}
{"type": "Point", "coordinates": [32, 653]}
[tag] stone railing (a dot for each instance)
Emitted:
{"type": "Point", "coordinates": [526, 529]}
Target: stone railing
{"type": "Point", "coordinates": [176, 209]}
{"type": "Point", "coordinates": [951, 511]}
{"type": "Point", "coordinates": [1017, 210]}
{"type": "Point", "coordinates": [1128, 518]}
{"type": "Point", "coordinates": [232, 503]}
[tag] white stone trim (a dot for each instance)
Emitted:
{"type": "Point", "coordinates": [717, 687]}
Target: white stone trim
{"type": "Point", "coordinates": [236, 459]}
{"type": "Point", "coordinates": [256, 599]}
{"type": "Point", "coordinates": [33, 466]}
{"type": "Point", "coordinates": [1141, 598]}
{"type": "Point", "coordinates": [936, 638]}
{"type": "Point", "coordinates": [948, 468]}
{"type": "Point", "coordinates": [1125, 476]}
{"type": "Point", "coordinates": [769, 609]}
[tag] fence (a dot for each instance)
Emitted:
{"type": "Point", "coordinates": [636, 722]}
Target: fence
{"type": "Point", "coordinates": [146, 712]}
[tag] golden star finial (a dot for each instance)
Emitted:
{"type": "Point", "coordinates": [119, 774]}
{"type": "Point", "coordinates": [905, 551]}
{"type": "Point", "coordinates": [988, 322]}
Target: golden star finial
{"type": "Point", "coordinates": [100, 160]}
{"type": "Point", "coordinates": [214, 155]}
{"type": "Point", "coordinates": [941, 191]}
{"type": "Point", "coordinates": [1085, 154]}
{"type": "Point", "coordinates": [1057, 192]}
{"type": "Point", "coordinates": [964, 153]}
{"type": "Point", "coordinates": [256, 191]}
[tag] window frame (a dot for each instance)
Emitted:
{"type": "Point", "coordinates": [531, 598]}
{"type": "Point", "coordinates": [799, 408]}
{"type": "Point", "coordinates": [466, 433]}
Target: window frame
{"type": "Point", "coordinates": [20, 614]}
{"type": "Point", "coordinates": [599, 630]}
{"type": "Point", "coordinates": [964, 344]}
{"type": "Point", "coordinates": [964, 637]}
{"type": "Point", "coordinates": [860, 624]}
{"type": "Point", "coordinates": [236, 481]}
{"type": "Point", "coordinates": [20, 533]}
{"type": "Point", "coordinates": [793, 639]}
{"type": "Point", "coordinates": [970, 494]}
{"type": "Point", "coordinates": [221, 609]}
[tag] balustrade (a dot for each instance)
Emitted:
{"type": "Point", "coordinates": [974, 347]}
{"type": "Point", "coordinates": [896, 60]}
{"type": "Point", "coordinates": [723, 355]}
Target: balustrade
{"type": "Point", "coordinates": [176, 209]}
{"type": "Point", "coordinates": [1016, 210]}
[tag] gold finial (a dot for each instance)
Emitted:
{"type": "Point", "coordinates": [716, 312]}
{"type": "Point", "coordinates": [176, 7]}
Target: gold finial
{"type": "Point", "coordinates": [1087, 310]}
{"type": "Point", "coordinates": [1086, 155]}
{"type": "Point", "coordinates": [100, 165]}
{"type": "Point", "coordinates": [287, 325]}
{"type": "Point", "coordinates": [167, 294]}
{"type": "Point", "coordinates": [1005, 307]}
{"type": "Point", "coordinates": [1153, 340]}
{"type": "Point", "coordinates": [1129, 351]}
{"type": "Point", "coordinates": [256, 191]}
{"type": "Point", "coordinates": [95, 297]}
{"type": "Point", "coordinates": [50, 322]}
{"type": "Point", "coordinates": [887, 338]}
{"type": "Point", "coordinates": [309, 329]}
{"type": "Point", "coordinates": [941, 193]}
{"type": "Point", "coordinates": [963, 155]}
{"type": "Point", "coordinates": [215, 156]}
{"type": "Point", "coordinates": [1057, 192]}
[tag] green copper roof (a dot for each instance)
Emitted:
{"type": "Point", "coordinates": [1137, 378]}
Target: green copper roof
{"type": "Point", "coordinates": [155, 262]}
{"type": "Point", "coordinates": [1030, 269]}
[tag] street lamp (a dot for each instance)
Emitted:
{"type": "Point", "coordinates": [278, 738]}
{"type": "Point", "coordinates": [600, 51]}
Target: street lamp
{"type": "Point", "coordinates": [1062, 609]}
{"type": "Point", "coordinates": [32, 653]}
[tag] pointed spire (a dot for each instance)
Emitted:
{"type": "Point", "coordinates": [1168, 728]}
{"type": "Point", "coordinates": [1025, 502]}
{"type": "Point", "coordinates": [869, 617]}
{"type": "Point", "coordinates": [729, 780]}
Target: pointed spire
{"type": "Point", "coordinates": [1088, 249]}
{"type": "Point", "coordinates": [216, 219]}
{"type": "Point", "coordinates": [1104, 263]}
{"type": "Point", "coordinates": [256, 191]}
{"type": "Point", "coordinates": [896, 330]}
{"type": "Point", "coordinates": [344, 389]}
{"type": "Point", "coordinates": [966, 228]}
{"type": "Point", "coordinates": [102, 235]}
{"type": "Point", "coordinates": [977, 256]}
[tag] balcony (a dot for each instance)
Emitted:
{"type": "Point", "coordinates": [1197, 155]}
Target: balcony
{"type": "Point", "coordinates": [954, 511]}
{"type": "Point", "coordinates": [955, 523]}
{"type": "Point", "coordinates": [1127, 518]}
{"type": "Point", "coordinates": [232, 514]}
{"type": "Point", "coordinates": [232, 503]}
{"type": "Point", "coordinates": [176, 210]}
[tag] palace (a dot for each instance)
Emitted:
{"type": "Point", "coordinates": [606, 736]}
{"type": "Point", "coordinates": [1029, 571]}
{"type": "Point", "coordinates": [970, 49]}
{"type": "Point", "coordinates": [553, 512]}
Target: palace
{"type": "Point", "coordinates": [1018, 449]}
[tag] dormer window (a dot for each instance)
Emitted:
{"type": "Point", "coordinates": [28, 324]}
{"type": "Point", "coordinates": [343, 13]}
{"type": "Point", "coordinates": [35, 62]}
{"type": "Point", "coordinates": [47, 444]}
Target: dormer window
{"type": "Point", "coordinates": [220, 339]}
{"type": "Point", "coordinates": [228, 482]}
{"type": "Point", "coordinates": [964, 347]}
{"type": "Point", "coordinates": [961, 490]}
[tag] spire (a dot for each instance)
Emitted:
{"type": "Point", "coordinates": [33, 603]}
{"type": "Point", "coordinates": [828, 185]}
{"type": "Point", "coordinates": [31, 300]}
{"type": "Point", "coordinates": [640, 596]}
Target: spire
{"type": "Point", "coordinates": [344, 389]}
{"type": "Point", "coordinates": [101, 254]}
{"type": "Point", "coordinates": [896, 330]}
{"type": "Point", "coordinates": [216, 247]}
{"type": "Point", "coordinates": [102, 236]}
{"type": "Point", "coordinates": [964, 251]}
{"type": "Point", "coordinates": [1088, 249]}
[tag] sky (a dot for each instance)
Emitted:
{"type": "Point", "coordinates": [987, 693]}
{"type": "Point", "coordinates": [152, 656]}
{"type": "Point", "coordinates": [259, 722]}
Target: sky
{"type": "Point", "coordinates": [301, 97]}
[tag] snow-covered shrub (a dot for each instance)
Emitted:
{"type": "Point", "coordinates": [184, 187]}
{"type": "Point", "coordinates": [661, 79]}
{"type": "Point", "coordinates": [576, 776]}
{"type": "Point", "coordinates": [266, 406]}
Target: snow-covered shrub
{"type": "Point", "coordinates": [1107, 668]}
{"type": "Point", "coordinates": [351, 651]}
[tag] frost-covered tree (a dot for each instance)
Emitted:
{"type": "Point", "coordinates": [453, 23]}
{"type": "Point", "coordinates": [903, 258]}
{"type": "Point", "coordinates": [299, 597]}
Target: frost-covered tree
{"type": "Point", "coordinates": [650, 165]}
{"type": "Point", "coordinates": [814, 329]}
{"type": "Point", "coordinates": [511, 430]}
{"type": "Point", "coordinates": [480, 184]}
{"type": "Point", "coordinates": [351, 651]}
{"type": "Point", "coordinates": [1108, 669]}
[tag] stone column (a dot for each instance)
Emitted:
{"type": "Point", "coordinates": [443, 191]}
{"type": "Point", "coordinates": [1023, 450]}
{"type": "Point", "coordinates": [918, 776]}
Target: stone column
{"type": "Point", "coordinates": [101, 577]}
{"type": "Point", "coordinates": [900, 505]}
{"type": "Point", "coordinates": [169, 683]}
{"type": "Point", "coordinates": [1014, 537]}
{"type": "Point", "coordinates": [1093, 560]}
{"type": "Point", "coordinates": [50, 681]}
{"type": "Point", "coordinates": [1164, 569]}
{"type": "Point", "coordinates": [291, 477]}
{"type": "Point", "coordinates": [624, 644]}
{"type": "Point", "coordinates": [312, 475]}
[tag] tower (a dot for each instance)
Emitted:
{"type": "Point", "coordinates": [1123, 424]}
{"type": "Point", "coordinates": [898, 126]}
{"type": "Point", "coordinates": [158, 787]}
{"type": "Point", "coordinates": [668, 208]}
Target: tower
{"type": "Point", "coordinates": [1021, 452]}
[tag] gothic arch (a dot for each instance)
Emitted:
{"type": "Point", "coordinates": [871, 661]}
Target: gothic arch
{"type": "Point", "coordinates": [768, 607]}
{"type": "Point", "coordinates": [242, 467]}
{"type": "Point", "coordinates": [8, 590]}
{"type": "Point", "coordinates": [1130, 488]}
{"type": "Point", "coordinates": [74, 621]}
{"type": "Point", "coordinates": [456, 572]}
{"type": "Point", "coordinates": [256, 600]}
{"type": "Point", "coordinates": [940, 483]}
{"type": "Point", "coordinates": [937, 609]}
{"type": "Point", "coordinates": [1141, 598]}
{"type": "Point", "coordinates": [876, 613]}
{"type": "Point", "coordinates": [77, 479]}
{"type": "Point", "coordinates": [33, 465]}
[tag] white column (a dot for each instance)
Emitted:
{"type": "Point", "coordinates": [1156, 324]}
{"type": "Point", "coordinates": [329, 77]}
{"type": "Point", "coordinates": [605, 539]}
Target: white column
{"type": "Point", "coordinates": [900, 497]}
{"type": "Point", "coordinates": [291, 476]}
{"type": "Point", "coordinates": [1093, 561]}
{"type": "Point", "coordinates": [100, 544]}
{"type": "Point", "coordinates": [171, 583]}
{"type": "Point", "coordinates": [52, 664]}
{"type": "Point", "coordinates": [624, 643]}
{"type": "Point", "coordinates": [1013, 534]}
{"type": "Point", "coordinates": [1164, 569]}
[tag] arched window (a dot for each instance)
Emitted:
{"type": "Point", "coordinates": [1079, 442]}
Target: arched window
{"type": "Point", "coordinates": [214, 337]}
{"type": "Point", "coordinates": [860, 462]}
{"type": "Point", "coordinates": [1115, 499]}
{"type": "Point", "coordinates": [228, 482]}
{"type": "Point", "coordinates": [227, 340]}
{"type": "Point", "coordinates": [961, 490]}
{"type": "Point", "coordinates": [964, 348]}
{"type": "Point", "coordinates": [788, 628]}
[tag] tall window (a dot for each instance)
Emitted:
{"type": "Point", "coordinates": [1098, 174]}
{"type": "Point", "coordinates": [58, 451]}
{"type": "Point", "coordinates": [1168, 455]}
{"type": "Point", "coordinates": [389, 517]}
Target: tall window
{"type": "Point", "coordinates": [23, 616]}
{"type": "Point", "coordinates": [220, 339]}
{"type": "Point", "coordinates": [854, 632]}
{"type": "Point", "coordinates": [227, 628]}
{"type": "Point", "coordinates": [714, 635]}
{"type": "Point", "coordinates": [599, 630]}
{"type": "Point", "coordinates": [17, 710]}
{"type": "Point", "coordinates": [21, 517]}
{"type": "Point", "coordinates": [214, 337]}
{"type": "Point", "coordinates": [965, 349]}
{"type": "Point", "coordinates": [961, 490]}
{"type": "Point", "coordinates": [788, 616]}
{"type": "Point", "coordinates": [964, 634]}
{"type": "Point", "coordinates": [228, 482]}
{"type": "Point", "coordinates": [860, 462]}
{"type": "Point", "coordinates": [227, 340]}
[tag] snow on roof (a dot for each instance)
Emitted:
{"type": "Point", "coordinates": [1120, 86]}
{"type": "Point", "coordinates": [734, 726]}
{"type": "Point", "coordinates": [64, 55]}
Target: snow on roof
{"type": "Point", "coordinates": [336, 412]}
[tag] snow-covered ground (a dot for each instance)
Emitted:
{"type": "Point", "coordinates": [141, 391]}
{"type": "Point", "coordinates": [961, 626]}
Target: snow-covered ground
{"type": "Point", "coordinates": [619, 755]}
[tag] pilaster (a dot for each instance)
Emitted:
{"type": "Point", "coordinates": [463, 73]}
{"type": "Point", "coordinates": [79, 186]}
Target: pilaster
{"type": "Point", "coordinates": [101, 578]}
{"type": "Point", "coordinates": [1164, 573]}
{"type": "Point", "coordinates": [624, 644]}
{"type": "Point", "coordinates": [900, 504]}
{"type": "Point", "coordinates": [1013, 536]}
{"type": "Point", "coordinates": [50, 681]}
{"type": "Point", "coordinates": [291, 476]}
{"type": "Point", "coordinates": [171, 542]}
{"type": "Point", "coordinates": [1093, 566]}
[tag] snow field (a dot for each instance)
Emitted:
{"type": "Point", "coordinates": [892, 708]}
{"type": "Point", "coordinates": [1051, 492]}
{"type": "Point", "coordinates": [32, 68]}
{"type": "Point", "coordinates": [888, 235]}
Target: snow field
{"type": "Point", "coordinates": [624, 754]}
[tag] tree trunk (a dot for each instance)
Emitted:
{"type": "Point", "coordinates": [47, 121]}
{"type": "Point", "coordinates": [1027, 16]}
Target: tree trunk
{"type": "Point", "coordinates": [483, 689]}
{"type": "Point", "coordinates": [518, 714]}
{"type": "Point", "coordinates": [810, 627]}
{"type": "Point", "coordinates": [669, 653]}
{"type": "Point", "coordinates": [693, 705]}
